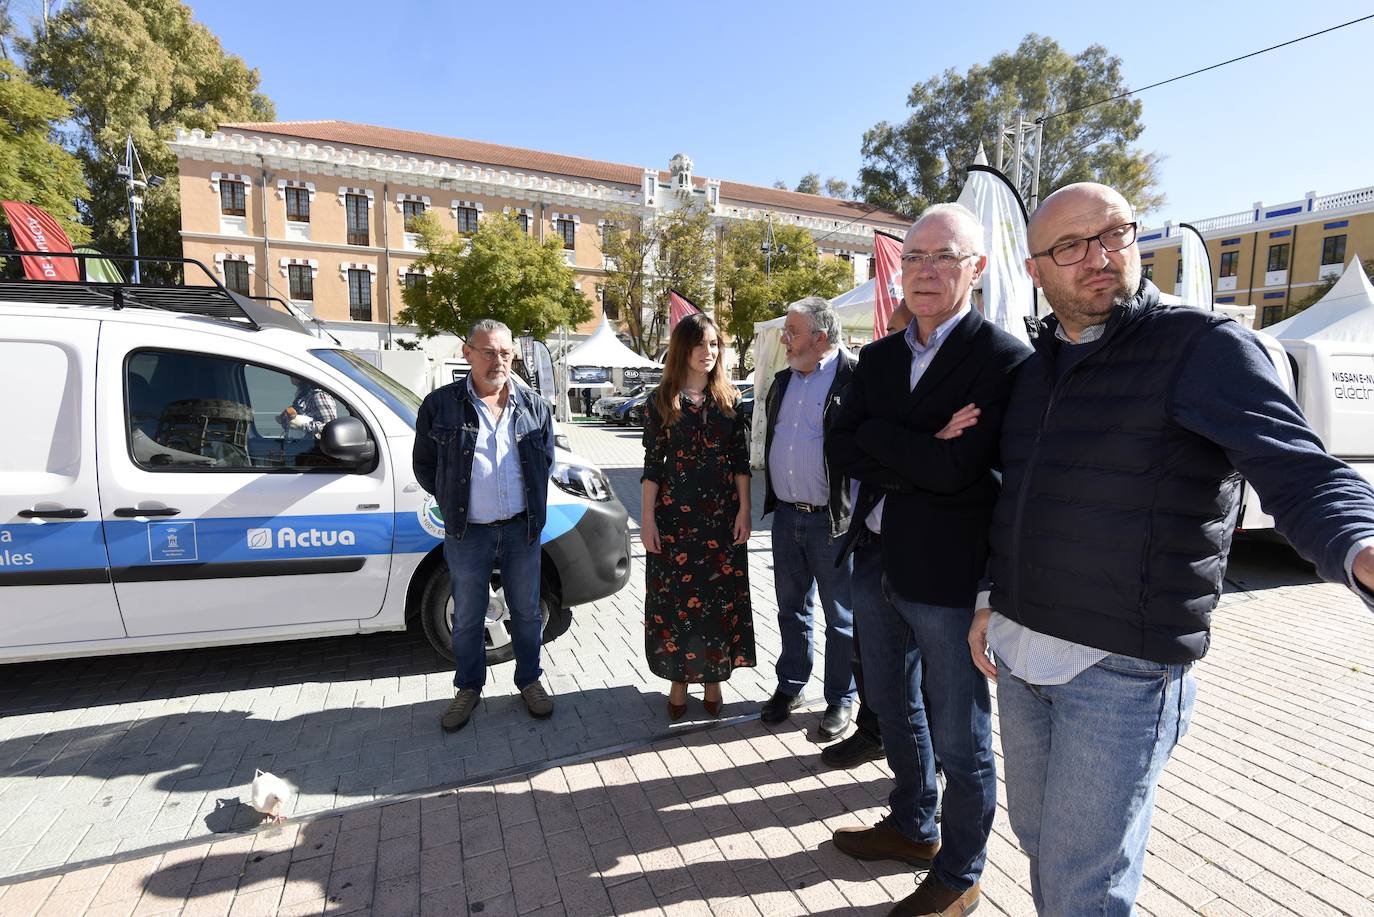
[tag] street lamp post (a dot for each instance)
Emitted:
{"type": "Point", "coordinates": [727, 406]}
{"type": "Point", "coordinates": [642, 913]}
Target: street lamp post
{"type": "Point", "coordinates": [769, 246]}
{"type": "Point", "coordinates": [135, 186]}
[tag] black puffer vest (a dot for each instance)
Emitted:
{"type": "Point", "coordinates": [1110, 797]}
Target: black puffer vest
{"type": "Point", "coordinates": [1114, 522]}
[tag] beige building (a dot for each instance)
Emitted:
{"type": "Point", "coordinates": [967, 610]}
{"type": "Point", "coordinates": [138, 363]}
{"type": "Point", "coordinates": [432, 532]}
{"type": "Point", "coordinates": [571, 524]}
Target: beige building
{"type": "Point", "coordinates": [1270, 255]}
{"type": "Point", "coordinates": [316, 211]}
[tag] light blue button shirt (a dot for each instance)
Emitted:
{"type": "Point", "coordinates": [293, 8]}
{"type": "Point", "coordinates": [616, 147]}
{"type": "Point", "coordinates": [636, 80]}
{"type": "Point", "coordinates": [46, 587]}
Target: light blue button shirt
{"type": "Point", "coordinates": [796, 461]}
{"type": "Point", "coordinates": [922, 355]}
{"type": "Point", "coordinates": [497, 491]}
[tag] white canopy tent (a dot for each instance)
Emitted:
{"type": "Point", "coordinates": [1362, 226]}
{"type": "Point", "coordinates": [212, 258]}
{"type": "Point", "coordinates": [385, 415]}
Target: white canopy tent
{"type": "Point", "coordinates": [603, 348]}
{"type": "Point", "coordinates": [1345, 313]}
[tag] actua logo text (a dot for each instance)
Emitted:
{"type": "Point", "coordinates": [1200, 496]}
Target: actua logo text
{"type": "Point", "coordinates": [287, 537]}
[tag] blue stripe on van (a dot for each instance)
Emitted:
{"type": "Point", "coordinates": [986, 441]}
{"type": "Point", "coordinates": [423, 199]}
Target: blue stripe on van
{"type": "Point", "coordinates": [413, 538]}
{"type": "Point", "coordinates": [51, 545]}
{"type": "Point", "coordinates": [247, 538]}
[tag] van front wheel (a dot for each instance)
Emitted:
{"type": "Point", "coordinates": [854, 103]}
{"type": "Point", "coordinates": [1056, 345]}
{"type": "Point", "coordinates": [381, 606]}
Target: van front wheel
{"type": "Point", "coordinates": [436, 615]}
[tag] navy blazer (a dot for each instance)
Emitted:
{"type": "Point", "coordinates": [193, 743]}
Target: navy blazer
{"type": "Point", "coordinates": [940, 493]}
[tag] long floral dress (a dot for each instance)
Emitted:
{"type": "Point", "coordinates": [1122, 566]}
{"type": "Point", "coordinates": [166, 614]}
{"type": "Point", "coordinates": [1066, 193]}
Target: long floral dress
{"type": "Point", "coordinates": [697, 621]}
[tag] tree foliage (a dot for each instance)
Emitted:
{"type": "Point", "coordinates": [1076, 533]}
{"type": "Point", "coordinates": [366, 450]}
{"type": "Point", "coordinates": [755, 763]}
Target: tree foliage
{"type": "Point", "coordinates": [34, 168]}
{"type": "Point", "coordinates": [810, 183]}
{"type": "Point", "coordinates": [647, 260]}
{"type": "Point", "coordinates": [497, 272]}
{"type": "Point", "coordinates": [142, 67]}
{"type": "Point", "coordinates": [751, 287]}
{"type": "Point", "coordinates": [923, 160]}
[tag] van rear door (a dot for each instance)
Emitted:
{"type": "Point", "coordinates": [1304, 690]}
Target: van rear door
{"type": "Point", "coordinates": [219, 516]}
{"type": "Point", "coordinates": [54, 572]}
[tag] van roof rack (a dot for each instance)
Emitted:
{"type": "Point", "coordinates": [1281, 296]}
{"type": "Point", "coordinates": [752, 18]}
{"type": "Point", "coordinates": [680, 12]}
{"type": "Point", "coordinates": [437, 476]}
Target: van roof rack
{"type": "Point", "coordinates": [210, 299]}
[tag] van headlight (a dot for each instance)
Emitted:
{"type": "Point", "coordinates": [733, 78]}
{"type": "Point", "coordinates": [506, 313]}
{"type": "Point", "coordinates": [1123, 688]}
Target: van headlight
{"type": "Point", "coordinates": [581, 481]}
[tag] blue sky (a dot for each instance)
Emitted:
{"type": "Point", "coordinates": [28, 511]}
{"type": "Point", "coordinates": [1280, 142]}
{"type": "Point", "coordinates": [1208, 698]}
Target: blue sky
{"type": "Point", "coordinates": [756, 92]}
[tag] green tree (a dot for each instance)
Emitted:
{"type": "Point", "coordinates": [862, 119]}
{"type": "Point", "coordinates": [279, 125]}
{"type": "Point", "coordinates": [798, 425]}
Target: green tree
{"type": "Point", "coordinates": [780, 185]}
{"type": "Point", "coordinates": [810, 183]}
{"type": "Point", "coordinates": [34, 168]}
{"type": "Point", "coordinates": [142, 67]}
{"type": "Point", "coordinates": [837, 187]}
{"type": "Point", "coordinates": [650, 258]}
{"type": "Point", "coordinates": [497, 272]}
{"type": "Point", "coordinates": [751, 287]}
{"type": "Point", "coordinates": [908, 166]}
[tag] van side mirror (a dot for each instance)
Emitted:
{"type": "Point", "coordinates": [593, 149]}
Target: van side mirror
{"type": "Point", "coordinates": [346, 439]}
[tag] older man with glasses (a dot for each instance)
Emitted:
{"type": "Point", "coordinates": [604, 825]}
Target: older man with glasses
{"type": "Point", "coordinates": [918, 429]}
{"type": "Point", "coordinates": [495, 437]}
{"type": "Point", "coordinates": [1120, 450]}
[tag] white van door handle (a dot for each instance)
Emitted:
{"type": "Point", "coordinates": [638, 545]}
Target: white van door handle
{"type": "Point", "coordinates": [129, 512]}
{"type": "Point", "coordinates": [72, 513]}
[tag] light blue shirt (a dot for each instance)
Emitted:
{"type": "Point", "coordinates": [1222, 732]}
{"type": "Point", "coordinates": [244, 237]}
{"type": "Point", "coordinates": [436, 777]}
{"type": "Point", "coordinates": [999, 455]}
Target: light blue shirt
{"type": "Point", "coordinates": [922, 355]}
{"type": "Point", "coordinates": [796, 461]}
{"type": "Point", "coordinates": [497, 491]}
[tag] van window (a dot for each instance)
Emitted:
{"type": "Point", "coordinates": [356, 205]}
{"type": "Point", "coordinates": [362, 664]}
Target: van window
{"type": "Point", "coordinates": [198, 412]}
{"type": "Point", "coordinates": [44, 422]}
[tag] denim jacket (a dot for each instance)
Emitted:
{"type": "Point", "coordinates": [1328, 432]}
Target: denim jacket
{"type": "Point", "coordinates": [446, 434]}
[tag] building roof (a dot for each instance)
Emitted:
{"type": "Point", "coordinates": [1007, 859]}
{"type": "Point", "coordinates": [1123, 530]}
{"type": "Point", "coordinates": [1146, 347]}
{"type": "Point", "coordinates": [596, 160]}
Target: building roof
{"type": "Point", "coordinates": [511, 157]}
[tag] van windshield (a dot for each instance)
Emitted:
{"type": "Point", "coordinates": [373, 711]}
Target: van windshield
{"type": "Point", "coordinates": [396, 396]}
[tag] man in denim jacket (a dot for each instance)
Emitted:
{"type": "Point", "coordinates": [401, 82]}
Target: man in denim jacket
{"type": "Point", "coordinates": [483, 448]}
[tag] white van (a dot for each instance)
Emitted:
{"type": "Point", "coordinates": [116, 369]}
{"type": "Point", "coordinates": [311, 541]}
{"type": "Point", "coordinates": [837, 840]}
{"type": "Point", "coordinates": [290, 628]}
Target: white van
{"type": "Point", "coordinates": [150, 497]}
{"type": "Point", "coordinates": [1333, 384]}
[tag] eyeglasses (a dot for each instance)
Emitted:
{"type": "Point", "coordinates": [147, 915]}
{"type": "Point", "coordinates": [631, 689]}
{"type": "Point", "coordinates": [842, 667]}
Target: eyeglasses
{"type": "Point", "coordinates": [791, 336]}
{"type": "Point", "coordinates": [1067, 254]}
{"type": "Point", "coordinates": [944, 260]}
{"type": "Point", "coordinates": [491, 356]}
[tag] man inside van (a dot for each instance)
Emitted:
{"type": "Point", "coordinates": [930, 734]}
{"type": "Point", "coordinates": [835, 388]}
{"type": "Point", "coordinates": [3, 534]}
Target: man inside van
{"type": "Point", "coordinates": [310, 410]}
{"type": "Point", "coordinates": [495, 437]}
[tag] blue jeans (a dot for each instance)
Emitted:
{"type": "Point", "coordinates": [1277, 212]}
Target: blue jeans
{"type": "Point", "coordinates": [1082, 760]}
{"type": "Point", "coordinates": [901, 639]}
{"type": "Point", "coordinates": [803, 555]}
{"type": "Point", "coordinates": [503, 546]}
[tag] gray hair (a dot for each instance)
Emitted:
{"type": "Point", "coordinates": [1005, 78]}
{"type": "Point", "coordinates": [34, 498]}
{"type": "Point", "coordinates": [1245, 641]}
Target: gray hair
{"type": "Point", "coordinates": [488, 326]}
{"type": "Point", "coordinates": [970, 228]}
{"type": "Point", "coordinates": [823, 318]}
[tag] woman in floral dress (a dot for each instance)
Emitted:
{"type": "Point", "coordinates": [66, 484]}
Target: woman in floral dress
{"type": "Point", "coordinates": [695, 525]}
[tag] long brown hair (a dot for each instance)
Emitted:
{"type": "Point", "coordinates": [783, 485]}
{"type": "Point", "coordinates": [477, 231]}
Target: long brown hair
{"type": "Point", "coordinates": [690, 332]}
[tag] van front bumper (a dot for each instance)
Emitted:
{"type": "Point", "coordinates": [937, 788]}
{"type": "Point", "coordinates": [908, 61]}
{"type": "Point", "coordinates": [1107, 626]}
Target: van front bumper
{"type": "Point", "coordinates": [593, 557]}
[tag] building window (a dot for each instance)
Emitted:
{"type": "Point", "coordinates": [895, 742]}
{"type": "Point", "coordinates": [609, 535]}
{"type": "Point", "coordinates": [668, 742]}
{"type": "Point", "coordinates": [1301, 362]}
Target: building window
{"type": "Point", "coordinates": [297, 205]}
{"type": "Point", "coordinates": [360, 295]}
{"type": "Point", "coordinates": [568, 230]}
{"type": "Point", "coordinates": [1270, 315]}
{"type": "Point", "coordinates": [1278, 257]}
{"type": "Point", "coordinates": [236, 276]}
{"type": "Point", "coordinates": [1148, 271]}
{"type": "Point", "coordinates": [872, 265]}
{"type": "Point", "coordinates": [467, 218]}
{"type": "Point", "coordinates": [414, 279]}
{"type": "Point", "coordinates": [524, 221]}
{"type": "Point", "coordinates": [1333, 250]}
{"type": "Point", "coordinates": [356, 205]}
{"type": "Point", "coordinates": [301, 282]}
{"type": "Point", "coordinates": [1178, 274]}
{"type": "Point", "coordinates": [608, 229]}
{"type": "Point", "coordinates": [409, 211]}
{"type": "Point", "coordinates": [1230, 263]}
{"type": "Point", "coordinates": [231, 198]}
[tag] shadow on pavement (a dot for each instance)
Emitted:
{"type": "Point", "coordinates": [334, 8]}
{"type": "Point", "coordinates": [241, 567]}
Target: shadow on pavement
{"type": "Point", "coordinates": [684, 822]}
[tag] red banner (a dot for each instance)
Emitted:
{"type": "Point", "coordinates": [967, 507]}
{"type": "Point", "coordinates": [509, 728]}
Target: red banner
{"type": "Point", "coordinates": [35, 230]}
{"type": "Point", "coordinates": [887, 280]}
{"type": "Point", "coordinates": [678, 309]}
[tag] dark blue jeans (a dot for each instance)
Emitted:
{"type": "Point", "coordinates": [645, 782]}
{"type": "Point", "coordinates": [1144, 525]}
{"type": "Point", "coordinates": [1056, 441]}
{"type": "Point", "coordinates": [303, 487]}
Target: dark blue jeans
{"type": "Point", "coordinates": [803, 555]}
{"type": "Point", "coordinates": [900, 639]}
{"type": "Point", "coordinates": [503, 546]}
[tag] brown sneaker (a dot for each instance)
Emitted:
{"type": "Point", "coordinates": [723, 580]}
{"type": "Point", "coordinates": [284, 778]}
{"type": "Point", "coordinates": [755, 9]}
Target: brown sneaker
{"type": "Point", "coordinates": [884, 842]}
{"type": "Point", "coordinates": [537, 700]}
{"type": "Point", "coordinates": [932, 898]}
{"type": "Point", "coordinates": [460, 711]}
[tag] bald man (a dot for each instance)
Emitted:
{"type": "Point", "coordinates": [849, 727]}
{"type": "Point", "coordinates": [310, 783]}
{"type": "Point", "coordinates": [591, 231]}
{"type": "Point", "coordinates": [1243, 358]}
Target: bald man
{"type": "Point", "coordinates": [1120, 449]}
{"type": "Point", "coordinates": [906, 431]}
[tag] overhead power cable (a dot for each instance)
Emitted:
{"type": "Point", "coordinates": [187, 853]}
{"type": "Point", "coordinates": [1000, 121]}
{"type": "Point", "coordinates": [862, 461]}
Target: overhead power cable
{"type": "Point", "coordinates": [1183, 76]}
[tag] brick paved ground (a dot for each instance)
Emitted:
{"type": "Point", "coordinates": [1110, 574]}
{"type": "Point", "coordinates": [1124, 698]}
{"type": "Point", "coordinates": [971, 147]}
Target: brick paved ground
{"type": "Point", "coordinates": [119, 778]}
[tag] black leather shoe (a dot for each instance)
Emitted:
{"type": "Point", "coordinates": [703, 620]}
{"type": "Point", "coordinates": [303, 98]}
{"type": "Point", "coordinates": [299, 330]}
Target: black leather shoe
{"type": "Point", "coordinates": [779, 707]}
{"type": "Point", "coordinates": [853, 751]}
{"type": "Point", "coordinates": [833, 723]}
